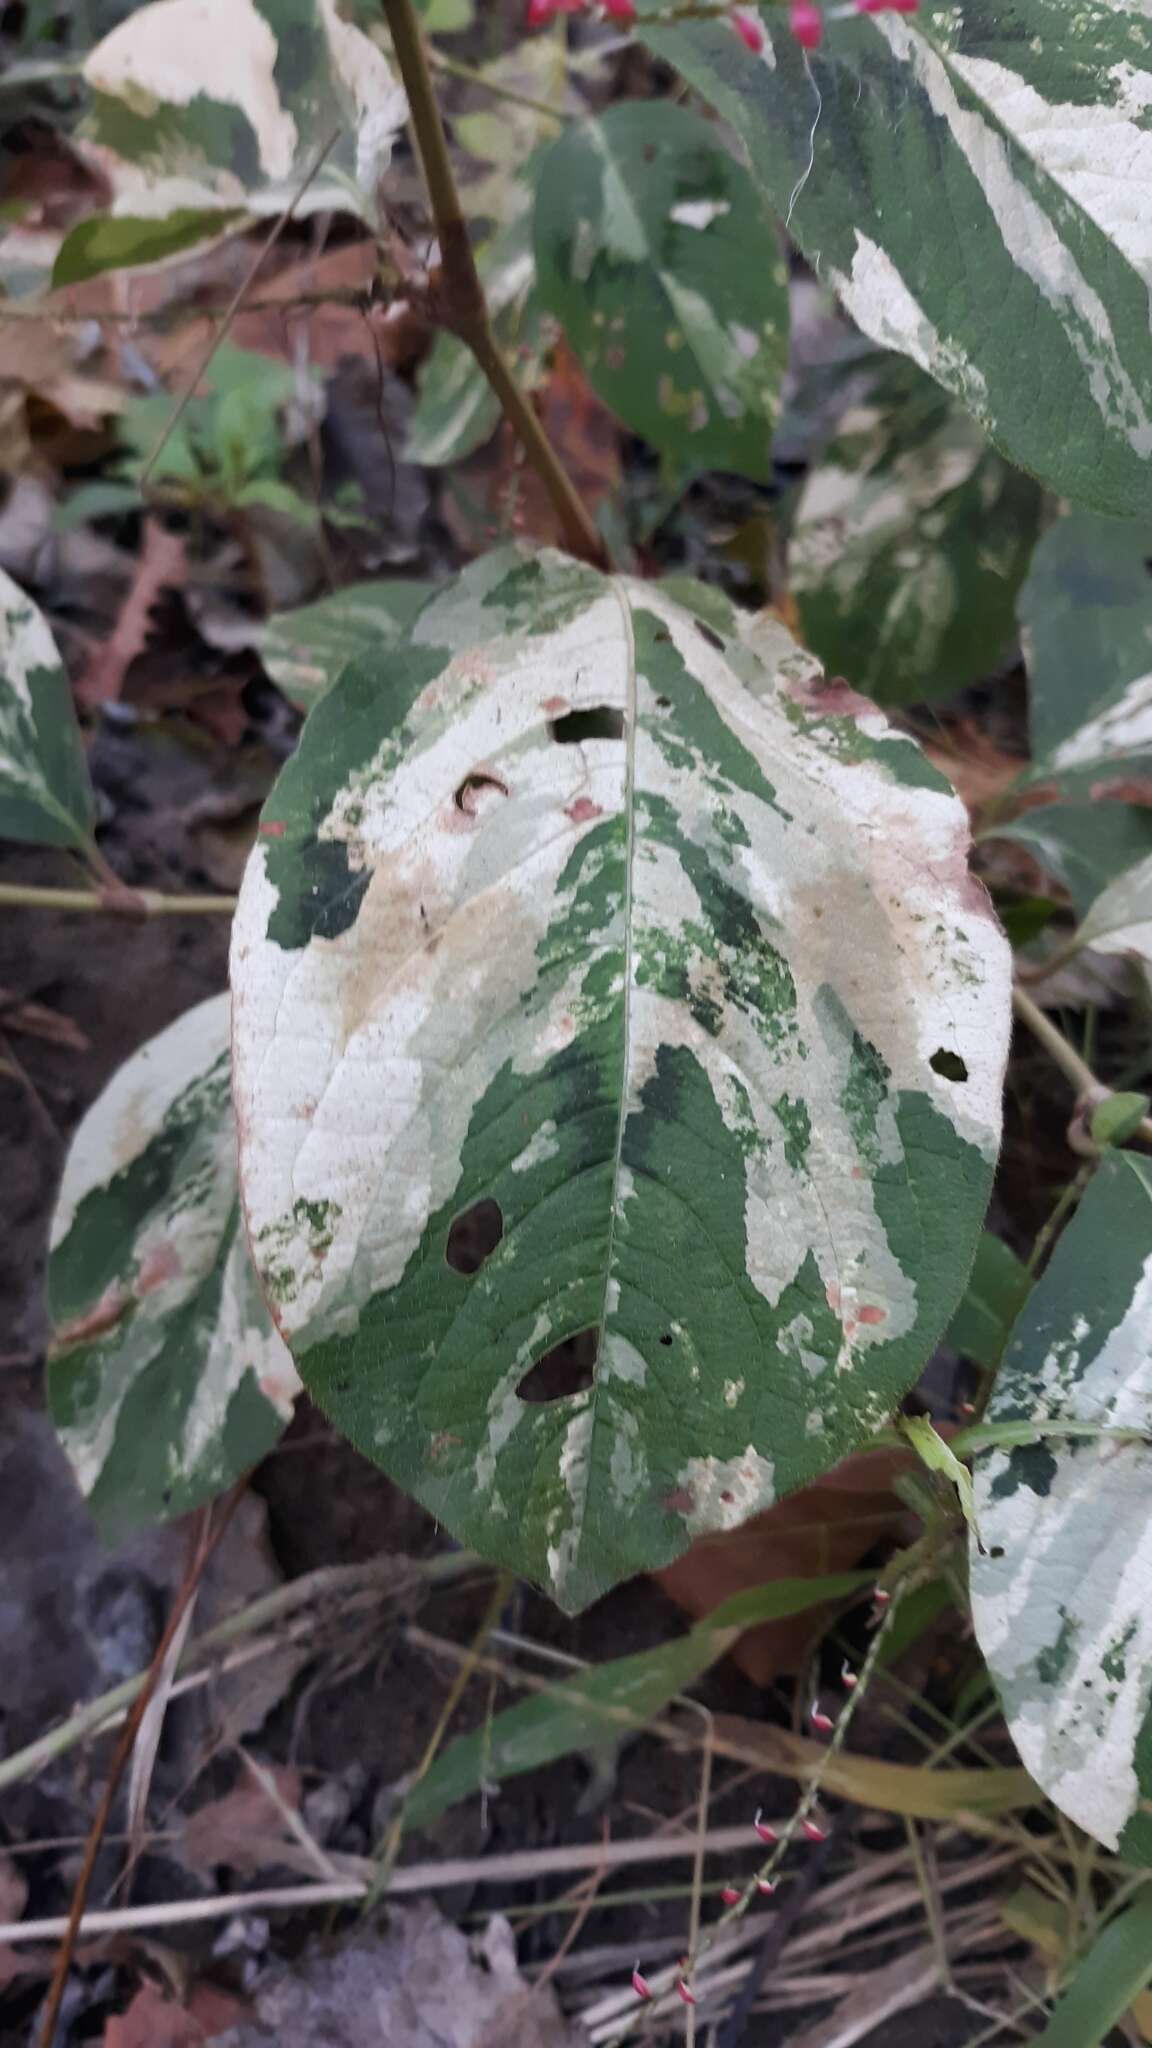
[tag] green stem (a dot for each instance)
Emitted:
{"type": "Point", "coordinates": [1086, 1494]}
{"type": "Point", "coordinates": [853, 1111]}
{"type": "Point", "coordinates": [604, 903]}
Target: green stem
{"type": "Point", "coordinates": [1087, 1085]}
{"type": "Point", "coordinates": [462, 306]}
{"type": "Point", "coordinates": [127, 902]}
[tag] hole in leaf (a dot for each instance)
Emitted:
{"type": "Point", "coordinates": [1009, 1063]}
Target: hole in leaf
{"type": "Point", "coordinates": [710, 635]}
{"type": "Point", "coordinates": [664, 703]}
{"type": "Point", "coordinates": [997, 1550]}
{"type": "Point", "coordinates": [599, 722]}
{"type": "Point", "coordinates": [948, 1064]}
{"type": "Point", "coordinates": [469, 792]}
{"type": "Point", "coordinates": [666, 1339]}
{"type": "Point", "coordinates": [569, 1368]}
{"type": "Point", "coordinates": [474, 1236]}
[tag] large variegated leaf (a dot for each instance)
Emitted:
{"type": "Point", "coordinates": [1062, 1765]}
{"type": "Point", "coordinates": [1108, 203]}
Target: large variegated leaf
{"type": "Point", "coordinates": [970, 181]}
{"type": "Point", "coordinates": [655, 253]}
{"type": "Point", "coordinates": [1086, 624]}
{"type": "Point", "coordinates": [608, 988]}
{"type": "Point", "coordinates": [225, 104]}
{"type": "Point", "coordinates": [45, 794]}
{"type": "Point", "coordinates": [909, 543]}
{"type": "Point", "coordinates": [1063, 1596]}
{"type": "Point", "coordinates": [167, 1379]}
{"type": "Point", "coordinates": [304, 650]}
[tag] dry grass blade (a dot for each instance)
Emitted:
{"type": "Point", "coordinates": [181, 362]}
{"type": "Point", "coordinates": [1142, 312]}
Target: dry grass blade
{"type": "Point", "coordinates": [870, 2003]}
{"type": "Point", "coordinates": [148, 1736]}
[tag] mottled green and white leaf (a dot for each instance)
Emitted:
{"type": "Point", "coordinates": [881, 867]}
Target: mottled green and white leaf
{"type": "Point", "coordinates": [457, 409]}
{"type": "Point", "coordinates": [649, 972]}
{"type": "Point", "coordinates": [305, 650]}
{"type": "Point", "coordinates": [1063, 1599]}
{"type": "Point", "coordinates": [656, 254]}
{"type": "Point", "coordinates": [1086, 627]}
{"type": "Point", "coordinates": [107, 242]}
{"type": "Point", "coordinates": [45, 794]}
{"type": "Point", "coordinates": [1086, 846]}
{"type": "Point", "coordinates": [167, 1378]}
{"type": "Point", "coordinates": [970, 182]}
{"type": "Point", "coordinates": [1120, 920]}
{"type": "Point", "coordinates": [909, 543]}
{"type": "Point", "coordinates": [229, 104]}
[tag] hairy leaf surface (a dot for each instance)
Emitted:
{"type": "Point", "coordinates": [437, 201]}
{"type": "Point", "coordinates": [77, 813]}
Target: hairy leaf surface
{"type": "Point", "coordinates": [910, 541]}
{"type": "Point", "coordinates": [45, 794]}
{"type": "Point", "coordinates": [971, 184]}
{"type": "Point", "coordinates": [1063, 1598]}
{"type": "Point", "coordinates": [656, 254]}
{"type": "Point", "coordinates": [168, 1379]}
{"type": "Point", "coordinates": [608, 989]}
{"type": "Point", "coordinates": [208, 104]}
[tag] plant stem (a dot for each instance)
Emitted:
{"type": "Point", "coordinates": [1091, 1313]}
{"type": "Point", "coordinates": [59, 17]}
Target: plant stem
{"type": "Point", "coordinates": [462, 306]}
{"type": "Point", "coordinates": [127, 903]}
{"type": "Point", "coordinates": [1087, 1085]}
{"type": "Point", "coordinates": [453, 68]}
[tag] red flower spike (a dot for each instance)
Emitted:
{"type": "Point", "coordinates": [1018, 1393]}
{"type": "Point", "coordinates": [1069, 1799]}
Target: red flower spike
{"type": "Point", "coordinates": [882, 1598]}
{"type": "Point", "coordinates": [765, 1887]}
{"type": "Point", "coordinates": [749, 30]}
{"type": "Point", "coordinates": [731, 1896]}
{"type": "Point", "coordinates": [814, 1831]}
{"type": "Point", "coordinates": [822, 1722]}
{"type": "Point", "coordinates": [619, 10]}
{"type": "Point", "coordinates": [807, 24]}
{"type": "Point", "coordinates": [762, 1828]}
{"type": "Point", "coordinates": [687, 1995]}
{"type": "Point", "coordinates": [640, 1985]}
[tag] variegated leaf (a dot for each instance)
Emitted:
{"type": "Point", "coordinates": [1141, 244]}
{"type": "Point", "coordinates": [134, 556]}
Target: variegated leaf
{"type": "Point", "coordinates": [167, 1378]}
{"type": "Point", "coordinates": [45, 794]}
{"type": "Point", "coordinates": [606, 988]}
{"type": "Point", "coordinates": [458, 410]}
{"type": "Point", "coordinates": [1087, 846]}
{"type": "Point", "coordinates": [1063, 1597]}
{"type": "Point", "coordinates": [909, 543]}
{"type": "Point", "coordinates": [305, 650]}
{"type": "Point", "coordinates": [1120, 920]}
{"type": "Point", "coordinates": [656, 255]}
{"type": "Point", "coordinates": [1086, 626]}
{"type": "Point", "coordinates": [218, 104]}
{"type": "Point", "coordinates": [970, 182]}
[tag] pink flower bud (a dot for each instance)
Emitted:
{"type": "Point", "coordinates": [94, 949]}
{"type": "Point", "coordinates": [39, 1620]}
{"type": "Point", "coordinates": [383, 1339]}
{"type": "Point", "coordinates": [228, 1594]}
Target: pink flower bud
{"type": "Point", "coordinates": [731, 1895]}
{"type": "Point", "coordinates": [822, 1722]}
{"type": "Point", "coordinates": [640, 1985]}
{"type": "Point", "coordinates": [540, 13]}
{"type": "Point", "coordinates": [807, 24]}
{"type": "Point", "coordinates": [848, 1678]}
{"type": "Point", "coordinates": [882, 1598]}
{"type": "Point", "coordinates": [749, 29]}
{"type": "Point", "coordinates": [766, 1833]}
{"type": "Point", "coordinates": [765, 1886]}
{"type": "Point", "coordinates": [619, 10]}
{"type": "Point", "coordinates": [687, 1995]}
{"type": "Point", "coordinates": [814, 1831]}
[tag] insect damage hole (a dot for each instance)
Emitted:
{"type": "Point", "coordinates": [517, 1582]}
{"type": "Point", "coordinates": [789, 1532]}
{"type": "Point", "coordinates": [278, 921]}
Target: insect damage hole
{"type": "Point", "coordinates": [470, 794]}
{"type": "Point", "coordinates": [599, 722]}
{"type": "Point", "coordinates": [474, 1236]}
{"type": "Point", "coordinates": [569, 1368]}
{"type": "Point", "coordinates": [948, 1064]}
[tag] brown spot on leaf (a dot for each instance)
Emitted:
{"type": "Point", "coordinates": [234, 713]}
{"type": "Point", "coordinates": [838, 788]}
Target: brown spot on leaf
{"type": "Point", "coordinates": [161, 1263]}
{"type": "Point", "coordinates": [681, 1502]}
{"type": "Point", "coordinates": [583, 810]}
{"type": "Point", "coordinates": [104, 1316]}
{"type": "Point", "coordinates": [553, 706]}
{"type": "Point", "coordinates": [272, 828]}
{"type": "Point", "coordinates": [872, 1314]}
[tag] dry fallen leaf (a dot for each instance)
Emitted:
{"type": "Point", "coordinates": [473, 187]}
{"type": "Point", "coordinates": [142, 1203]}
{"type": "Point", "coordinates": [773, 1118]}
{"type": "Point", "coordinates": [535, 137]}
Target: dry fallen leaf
{"type": "Point", "coordinates": [244, 1830]}
{"type": "Point", "coordinates": [829, 1526]}
{"type": "Point", "coordinates": [152, 2021]}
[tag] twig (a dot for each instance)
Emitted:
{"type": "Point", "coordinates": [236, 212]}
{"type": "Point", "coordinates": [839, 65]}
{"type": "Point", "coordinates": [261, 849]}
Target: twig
{"type": "Point", "coordinates": [206, 1535]}
{"type": "Point", "coordinates": [122, 902]}
{"type": "Point", "coordinates": [453, 68]}
{"type": "Point", "coordinates": [460, 300]}
{"type": "Point", "coordinates": [233, 307]}
{"type": "Point", "coordinates": [520, 1866]}
{"type": "Point", "coordinates": [1089, 1088]}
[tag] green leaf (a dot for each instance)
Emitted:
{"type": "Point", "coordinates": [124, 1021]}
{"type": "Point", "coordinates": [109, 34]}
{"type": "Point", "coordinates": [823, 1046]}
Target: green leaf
{"type": "Point", "coordinates": [1087, 846]}
{"type": "Point", "coordinates": [598, 981]}
{"type": "Point", "coordinates": [1086, 618]}
{"type": "Point", "coordinates": [963, 181]}
{"type": "Point", "coordinates": [1120, 920]}
{"type": "Point", "coordinates": [610, 1700]}
{"type": "Point", "coordinates": [655, 253]}
{"type": "Point", "coordinates": [275, 496]}
{"type": "Point", "coordinates": [1118, 1119]}
{"type": "Point", "coordinates": [99, 500]}
{"type": "Point", "coordinates": [909, 543]}
{"type": "Point", "coordinates": [1116, 1968]}
{"type": "Point", "coordinates": [458, 410]}
{"type": "Point", "coordinates": [997, 1288]}
{"type": "Point", "coordinates": [1061, 1599]}
{"type": "Point", "coordinates": [305, 650]}
{"type": "Point", "coordinates": [226, 105]}
{"type": "Point", "coordinates": [937, 1456]}
{"type": "Point", "coordinates": [106, 242]}
{"type": "Point", "coordinates": [446, 17]}
{"type": "Point", "coordinates": [167, 1379]}
{"type": "Point", "coordinates": [45, 794]}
